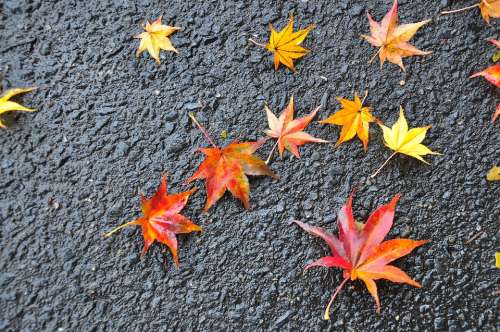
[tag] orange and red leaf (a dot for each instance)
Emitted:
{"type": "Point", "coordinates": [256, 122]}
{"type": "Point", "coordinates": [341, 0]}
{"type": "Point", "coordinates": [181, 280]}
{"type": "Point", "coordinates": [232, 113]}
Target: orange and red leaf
{"type": "Point", "coordinates": [227, 169]}
{"type": "Point", "coordinates": [161, 220]}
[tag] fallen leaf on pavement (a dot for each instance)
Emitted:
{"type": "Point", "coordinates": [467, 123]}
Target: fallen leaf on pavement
{"type": "Point", "coordinates": [286, 44]}
{"type": "Point", "coordinates": [227, 169]}
{"type": "Point", "coordinates": [360, 251]}
{"type": "Point", "coordinates": [393, 39]}
{"type": "Point", "coordinates": [402, 140]}
{"type": "Point", "coordinates": [288, 132]}
{"type": "Point", "coordinates": [6, 105]}
{"type": "Point", "coordinates": [155, 39]}
{"type": "Point", "coordinates": [492, 75]}
{"type": "Point", "coordinates": [488, 8]}
{"type": "Point", "coordinates": [354, 119]}
{"type": "Point", "coordinates": [493, 174]}
{"type": "Point", "coordinates": [161, 220]}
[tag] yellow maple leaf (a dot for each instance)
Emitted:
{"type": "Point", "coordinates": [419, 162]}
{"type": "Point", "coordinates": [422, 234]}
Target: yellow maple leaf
{"type": "Point", "coordinates": [286, 44]}
{"type": "Point", "coordinates": [493, 174]}
{"type": "Point", "coordinates": [354, 119]}
{"type": "Point", "coordinates": [406, 141]}
{"type": "Point", "coordinates": [8, 106]}
{"type": "Point", "coordinates": [393, 39]}
{"type": "Point", "coordinates": [155, 38]}
{"type": "Point", "coordinates": [497, 260]}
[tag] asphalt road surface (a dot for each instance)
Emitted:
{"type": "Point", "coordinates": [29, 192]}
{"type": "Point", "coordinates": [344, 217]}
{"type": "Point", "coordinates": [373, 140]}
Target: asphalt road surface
{"type": "Point", "coordinates": [110, 124]}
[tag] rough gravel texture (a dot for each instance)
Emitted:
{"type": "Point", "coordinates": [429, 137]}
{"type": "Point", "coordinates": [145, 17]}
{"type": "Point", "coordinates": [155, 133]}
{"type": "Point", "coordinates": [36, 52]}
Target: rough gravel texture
{"type": "Point", "coordinates": [110, 124]}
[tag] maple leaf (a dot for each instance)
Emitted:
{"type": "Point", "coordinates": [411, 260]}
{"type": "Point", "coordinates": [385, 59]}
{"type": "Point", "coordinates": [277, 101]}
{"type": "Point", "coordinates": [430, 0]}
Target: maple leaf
{"type": "Point", "coordinates": [289, 132]}
{"type": "Point", "coordinates": [402, 140]}
{"type": "Point", "coordinates": [392, 39]}
{"type": "Point", "coordinates": [286, 44]}
{"type": "Point", "coordinates": [493, 174]}
{"type": "Point", "coordinates": [492, 75]}
{"type": "Point", "coordinates": [488, 8]}
{"type": "Point", "coordinates": [360, 252]}
{"type": "Point", "coordinates": [227, 169]}
{"type": "Point", "coordinates": [156, 38]}
{"type": "Point", "coordinates": [161, 220]}
{"type": "Point", "coordinates": [354, 119]}
{"type": "Point", "coordinates": [6, 105]}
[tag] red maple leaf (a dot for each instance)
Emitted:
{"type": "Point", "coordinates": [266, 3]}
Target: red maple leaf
{"type": "Point", "coordinates": [161, 220]}
{"type": "Point", "coordinates": [227, 169]}
{"type": "Point", "coordinates": [360, 252]}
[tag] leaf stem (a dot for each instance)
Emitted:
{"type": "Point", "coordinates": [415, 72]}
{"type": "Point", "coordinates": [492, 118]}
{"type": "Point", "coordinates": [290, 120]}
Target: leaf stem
{"type": "Point", "coordinates": [460, 10]}
{"type": "Point", "coordinates": [271, 153]}
{"type": "Point", "coordinates": [366, 95]}
{"type": "Point", "coordinates": [326, 316]}
{"type": "Point", "coordinates": [203, 130]}
{"type": "Point", "coordinates": [120, 227]}
{"type": "Point", "coordinates": [373, 57]}
{"type": "Point", "coordinates": [256, 43]}
{"type": "Point", "coordinates": [382, 166]}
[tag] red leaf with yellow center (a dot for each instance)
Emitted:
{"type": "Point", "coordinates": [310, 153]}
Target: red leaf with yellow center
{"type": "Point", "coordinates": [161, 220]}
{"type": "Point", "coordinates": [360, 252]}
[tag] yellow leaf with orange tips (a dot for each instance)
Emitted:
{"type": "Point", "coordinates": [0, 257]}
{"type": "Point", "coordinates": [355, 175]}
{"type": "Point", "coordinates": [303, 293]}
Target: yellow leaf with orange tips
{"type": "Point", "coordinates": [286, 44]}
{"type": "Point", "coordinates": [7, 105]}
{"type": "Point", "coordinates": [155, 38]}
{"type": "Point", "coordinates": [354, 119]}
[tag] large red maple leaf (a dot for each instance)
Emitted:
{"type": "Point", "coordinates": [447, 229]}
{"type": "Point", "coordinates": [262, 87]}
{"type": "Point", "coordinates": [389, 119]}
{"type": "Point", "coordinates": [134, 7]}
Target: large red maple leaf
{"type": "Point", "coordinates": [360, 252]}
{"type": "Point", "coordinates": [161, 220]}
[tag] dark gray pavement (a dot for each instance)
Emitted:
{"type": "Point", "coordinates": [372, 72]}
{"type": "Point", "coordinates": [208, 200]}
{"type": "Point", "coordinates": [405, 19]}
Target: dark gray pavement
{"type": "Point", "coordinates": [110, 124]}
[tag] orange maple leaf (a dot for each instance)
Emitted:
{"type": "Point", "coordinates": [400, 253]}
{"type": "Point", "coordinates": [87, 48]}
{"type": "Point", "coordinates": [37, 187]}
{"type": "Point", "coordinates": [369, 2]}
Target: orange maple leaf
{"type": "Point", "coordinates": [492, 75]}
{"type": "Point", "coordinates": [289, 132]}
{"type": "Point", "coordinates": [354, 119]}
{"type": "Point", "coordinates": [489, 8]}
{"type": "Point", "coordinates": [360, 252]}
{"type": "Point", "coordinates": [227, 169]}
{"type": "Point", "coordinates": [161, 220]}
{"type": "Point", "coordinates": [393, 38]}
